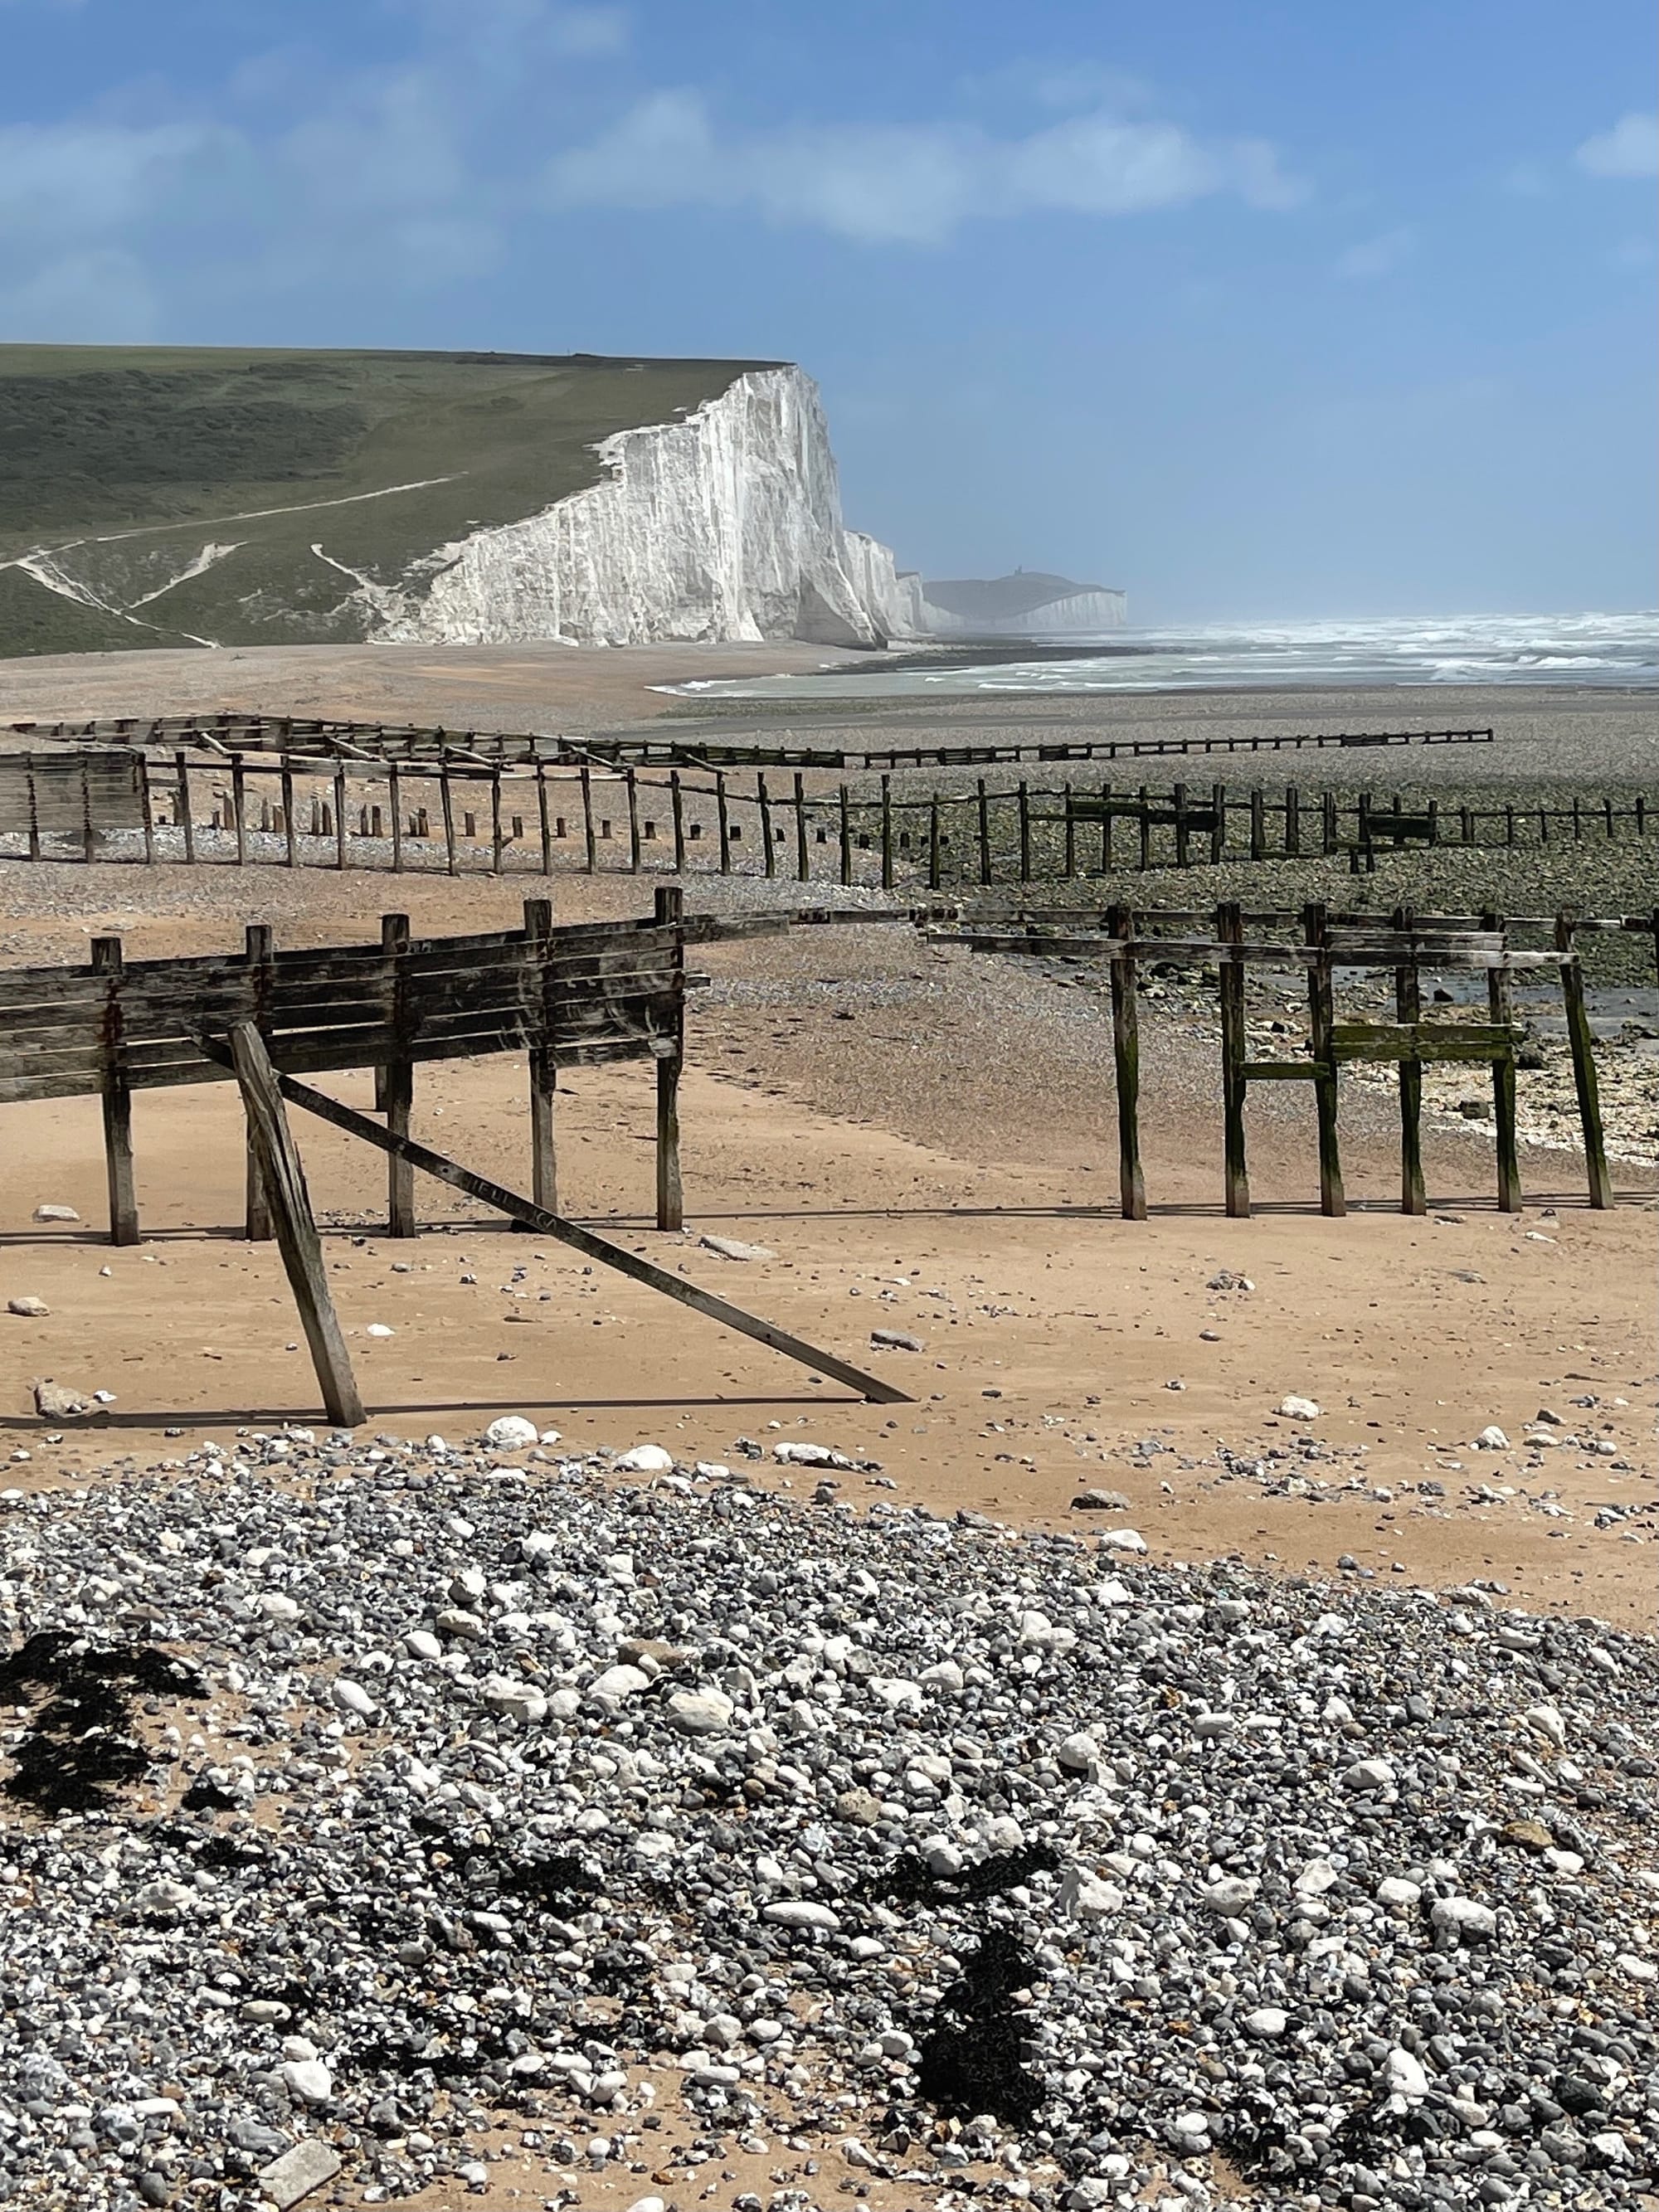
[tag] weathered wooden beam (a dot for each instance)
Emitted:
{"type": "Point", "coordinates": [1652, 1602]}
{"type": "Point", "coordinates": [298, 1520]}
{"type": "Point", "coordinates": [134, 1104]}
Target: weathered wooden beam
{"type": "Point", "coordinates": [296, 1230]}
{"type": "Point", "coordinates": [1235, 1181]}
{"type": "Point", "coordinates": [1408, 1006]}
{"type": "Point", "coordinates": [258, 955]}
{"type": "Point", "coordinates": [1320, 1021]}
{"type": "Point", "coordinates": [556, 1226]}
{"type": "Point", "coordinates": [1500, 1005]}
{"type": "Point", "coordinates": [543, 1078]}
{"type": "Point", "coordinates": [106, 961]}
{"type": "Point", "coordinates": [670, 1199]}
{"type": "Point", "coordinates": [397, 1083]}
{"type": "Point", "coordinates": [1126, 1058]}
{"type": "Point", "coordinates": [1582, 1042]}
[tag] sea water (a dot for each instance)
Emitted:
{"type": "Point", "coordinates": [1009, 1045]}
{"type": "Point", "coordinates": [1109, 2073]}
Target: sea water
{"type": "Point", "coordinates": [1618, 651]}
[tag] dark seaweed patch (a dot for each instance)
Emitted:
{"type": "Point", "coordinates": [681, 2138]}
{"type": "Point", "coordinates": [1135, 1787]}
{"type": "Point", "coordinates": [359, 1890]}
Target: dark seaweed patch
{"type": "Point", "coordinates": [909, 1880]}
{"type": "Point", "coordinates": [970, 2060]}
{"type": "Point", "coordinates": [553, 1884]}
{"type": "Point", "coordinates": [79, 1746]}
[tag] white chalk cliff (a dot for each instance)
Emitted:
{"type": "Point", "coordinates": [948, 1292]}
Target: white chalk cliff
{"type": "Point", "coordinates": [723, 526]}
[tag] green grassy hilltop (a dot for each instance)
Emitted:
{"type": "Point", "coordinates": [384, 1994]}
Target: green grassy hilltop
{"type": "Point", "coordinates": [127, 470]}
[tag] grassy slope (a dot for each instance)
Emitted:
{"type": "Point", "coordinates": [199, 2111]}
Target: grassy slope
{"type": "Point", "coordinates": [96, 440]}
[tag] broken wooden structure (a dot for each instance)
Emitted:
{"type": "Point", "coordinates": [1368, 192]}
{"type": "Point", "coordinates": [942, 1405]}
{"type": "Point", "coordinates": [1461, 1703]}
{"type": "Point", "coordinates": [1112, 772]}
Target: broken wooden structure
{"type": "Point", "coordinates": [574, 995]}
{"type": "Point", "coordinates": [1404, 945]}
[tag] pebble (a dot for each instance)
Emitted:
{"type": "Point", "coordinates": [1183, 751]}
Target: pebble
{"type": "Point", "coordinates": [1297, 1409]}
{"type": "Point", "coordinates": [896, 1339]}
{"type": "Point", "coordinates": [1244, 1852]}
{"type": "Point", "coordinates": [1491, 1439]}
{"type": "Point", "coordinates": [298, 2172]}
{"type": "Point", "coordinates": [645, 1459]}
{"type": "Point", "coordinates": [732, 1248]}
{"type": "Point", "coordinates": [308, 2079]}
{"type": "Point", "coordinates": [1464, 1916]}
{"type": "Point", "coordinates": [700, 1713]}
{"type": "Point", "coordinates": [50, 1211]}
{"type": "Point", "coordinates": [28, 1309]}
{"type": "Point", "coordinates": [512, 1432]}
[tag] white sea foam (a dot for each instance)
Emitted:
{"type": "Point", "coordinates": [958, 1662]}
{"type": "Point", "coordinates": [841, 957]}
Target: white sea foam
{"type": "Point", "coordinates": [1604, 650]}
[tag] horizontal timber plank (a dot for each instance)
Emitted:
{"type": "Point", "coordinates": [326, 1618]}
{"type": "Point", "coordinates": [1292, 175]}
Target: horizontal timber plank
{"type": "Point", "coordinates": [1440, 1041]}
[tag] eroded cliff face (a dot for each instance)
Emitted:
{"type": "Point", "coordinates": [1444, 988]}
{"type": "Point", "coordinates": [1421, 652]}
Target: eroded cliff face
{"type": "Point", "coordinates": [725, 525]}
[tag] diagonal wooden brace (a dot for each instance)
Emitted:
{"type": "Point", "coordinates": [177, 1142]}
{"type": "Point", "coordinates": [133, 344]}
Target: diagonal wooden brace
{"type": "Point", "coordinates": [591, 1247]}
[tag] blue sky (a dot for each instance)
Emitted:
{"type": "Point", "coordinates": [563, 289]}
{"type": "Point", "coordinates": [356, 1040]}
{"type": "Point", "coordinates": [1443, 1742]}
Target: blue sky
{"type": "Point", "coordinates": [1258, 308]}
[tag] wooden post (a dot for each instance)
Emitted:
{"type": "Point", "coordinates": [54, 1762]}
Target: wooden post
{"type": "Point", "coordinates": [181, 770]}
{"type": "Point", "coordinates": [395, 800]}
{"type": "Point", "coordinates": [238, 806]}
{"type": "Point", "coordinates": [1070, 798]}
{"type": "Point", "coordinates": [340, 816]}
{"type": "Point", "coordinates": [89, 841]}
{"type": "Point", "coordinates": [1230, 929]}
{"type": "Point", "coordinates": [803, 862]}
{"type": "Point", "coordinates": [260, 944]}
{"type": "Point", "coordinates": [106, 961]}
{"type": "Point", "coordinates": [1584, 1064]}
{"type": "Point", "coordinates": [147, 812]}
{"type": "Point", "coordinates": [495, 838]}
{"type": "Point", "coordinates": [544, 824]}
{"type": "Point", "coordinates": [446, 799]}
{"type": "Point", "coordinates": [296, 1230]}
{"type": "Point", "coordinates": [1108, 825]}
{"type": "Point", "coordinates": [723, 812]}
{"type": "Point", "coordinates": [1183, 831]}
{"type": "Point", "coordinates": [1145, 829]}
{"type": "Point", "coordinates": [1217, 822]}
{"type": "Point", "coordinates": [397, 1086]}
{"type": "Point", "coordinates": [1320, 1016]}
{"type": "Point", "coordinates": [632, 782]}
{"type": "Point", "coordinates": [1292, 821]}
{"type": "Point", "coordinates": [1024, 832]}
{"type": "Point", "coordinates": [933, 842]}
{"type": "Point", "coordinates": [590, 842]}
{"type": "Point", "coordinates": [763, 800]}
{"type": "Point", "coordinates": [845, 839]}
{"type": "Point", "coordinates": [1126, 1053]}
{"type": "Point", "coordinates": [1329, 830]}
{"type": "Point", "coordinates": [1498, 1002]}
{"type": "Point", "coordinates": [543, 1065]}
{"type": "Point", "coordinates": [984, 833]}
{"type": "Point", "coordinates": [1258, 823]}
{"type": "Point", "coordinates": [670, 1203]}
{"type": "Point", "coordinates": [887, 832]}
{"type": "Point", "coordinates": [1408, 1009]}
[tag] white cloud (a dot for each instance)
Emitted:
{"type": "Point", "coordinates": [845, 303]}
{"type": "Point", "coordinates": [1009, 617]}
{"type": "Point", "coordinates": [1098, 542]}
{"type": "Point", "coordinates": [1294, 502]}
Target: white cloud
{"type": "Point", "coordinates": [71, 180]}
{"type": "Point", "coordinates": [1376, 256]}
{"type": "Point", "coordinates": [1630, 148]}
{"type": "Point", "coordinates": [100, 297]}
{"type": "Point", "coordinates": [910, 183]}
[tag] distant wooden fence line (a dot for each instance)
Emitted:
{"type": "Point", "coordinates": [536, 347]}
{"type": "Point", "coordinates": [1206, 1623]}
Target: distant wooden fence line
{"type": "Point", "coordinates": [541, 818]}
{"type": "Point", "coordinates": [328, 737]}
{"type": "Point", "coordinates": [1410, 945]}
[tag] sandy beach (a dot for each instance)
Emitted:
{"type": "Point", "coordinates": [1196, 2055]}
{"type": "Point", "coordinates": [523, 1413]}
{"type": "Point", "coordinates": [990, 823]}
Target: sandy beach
{"type": "Point", "coordinates": [926, 1139]}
